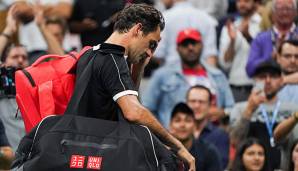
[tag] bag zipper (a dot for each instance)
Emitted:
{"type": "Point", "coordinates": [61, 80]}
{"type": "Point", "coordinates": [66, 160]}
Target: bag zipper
{"type": "Point", "coordinates": [27, 74]}
{"type": "Point", "coordinates": [65, 142]}
{"type": "Point", "coordinates": [35, 134]}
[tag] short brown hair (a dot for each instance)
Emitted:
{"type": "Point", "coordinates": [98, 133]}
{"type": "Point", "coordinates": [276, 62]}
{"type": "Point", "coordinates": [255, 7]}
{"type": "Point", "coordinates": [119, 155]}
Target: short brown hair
{"type": "Point", "coordinates": [201, 87]}
{"type": "Point", "coordinates": [147, 15]}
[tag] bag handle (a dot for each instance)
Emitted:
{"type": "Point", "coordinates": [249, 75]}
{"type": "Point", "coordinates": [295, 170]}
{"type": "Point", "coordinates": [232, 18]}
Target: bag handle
{"type": "Point", "coordinates": [45, 57]}
{"type": "Point", "coordinates": [72, 54]}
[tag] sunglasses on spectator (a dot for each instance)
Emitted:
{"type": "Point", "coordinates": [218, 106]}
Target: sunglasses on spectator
{"type": "Point", "coordinates": [188, 42]}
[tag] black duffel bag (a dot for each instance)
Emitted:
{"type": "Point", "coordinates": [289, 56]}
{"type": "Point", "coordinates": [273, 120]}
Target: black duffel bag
{"type": "Point", "coordinates": [62, 143]}
{"type": "Point", "coordinates": [72, 142]}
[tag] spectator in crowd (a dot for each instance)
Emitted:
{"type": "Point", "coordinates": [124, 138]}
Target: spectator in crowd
{"type": "Point", "coordinates": [293, 156]}
{"type": "Point", "coordinates": [16, 57]}
{"type": "Point", "coordinates": [182, 126]}
{"type": "Point", "coordinates": [199, 98]}
{"type": "Point", "coordinates": [169, 84]}
{"type": "Point", "coordinates": [93, 19]}
{"type": "Point", "coordinates": [265, 45]}
{"type": "Point", "coordinates": [263, 111]}
{"type": "Point", "coordinates": [188, 16]}
{"type": "Point", "coordinates": [287, 57]}
{"type": "Point", "coordinates": [29, 33]}
{"type": "Point", "coordinates": [216, 8]}
{"type": "Point", "coordinates": [53, 30]}
{"type": "Point", "coordinates": [252, 155]}
{"type": "Point", "coordinates": [6, 152]}
{"type": "Point", "coordinates": [234, 47]}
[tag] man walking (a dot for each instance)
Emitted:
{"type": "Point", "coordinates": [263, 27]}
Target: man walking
{"type": "Point", "coordinates": [136, 35]}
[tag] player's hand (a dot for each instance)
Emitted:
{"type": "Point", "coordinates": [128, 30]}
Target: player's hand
{"type": "Point", "coordinates": [186, 156]}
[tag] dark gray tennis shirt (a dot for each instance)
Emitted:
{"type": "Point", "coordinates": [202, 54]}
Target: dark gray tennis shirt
{"type": "Point", "coordinates": [110, 80]}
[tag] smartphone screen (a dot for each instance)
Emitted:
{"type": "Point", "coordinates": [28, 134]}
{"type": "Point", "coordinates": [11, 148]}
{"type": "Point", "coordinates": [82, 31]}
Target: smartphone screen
{"type": "Point", "coordinates": [259, 87]}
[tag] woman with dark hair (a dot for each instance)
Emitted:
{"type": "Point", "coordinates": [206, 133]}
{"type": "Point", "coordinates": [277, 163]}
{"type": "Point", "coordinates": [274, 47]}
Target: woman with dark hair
{"type": "Point", "coordinates": [293, 157]}
{"type": "Point", "coordinates": [251, 156]}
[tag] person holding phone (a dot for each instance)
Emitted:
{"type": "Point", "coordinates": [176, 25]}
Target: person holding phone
{"type": "Point", "coordinates": [263, 111]}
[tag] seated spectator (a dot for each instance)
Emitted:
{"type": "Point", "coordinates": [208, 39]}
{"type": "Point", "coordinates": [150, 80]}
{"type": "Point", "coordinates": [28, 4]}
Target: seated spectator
{"type": "Point", "coordinates": [188, 16]}
{"type": "Point", "coordinates": [235, 41]}
{"type": "Point", "coordinates": [6, 153]}
{"type": "Point", "coordinates": [263, 111]}
{"type": "Point", "coordinates": [265, 45]}
{"type": "Point", "coordinates": [287, 57]}
{"type": "Point", "coordinates": [199, 98]}
{"type": "Point", "coordinates": [169, 84]}
{"type": "Point", "coordinates": [251, 155]}
{"type": "Point", "coordinates": [14, 57]}
{"type": "Point", "coordinates": [182, 126]}
{"type": "Point", "coordinates": [293, 156]}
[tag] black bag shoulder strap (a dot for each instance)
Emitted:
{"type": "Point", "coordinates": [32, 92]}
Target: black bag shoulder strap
{"type": "Point", "coordinates": [84, 72]}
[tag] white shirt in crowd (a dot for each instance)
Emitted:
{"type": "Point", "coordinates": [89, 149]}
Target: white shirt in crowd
{"type": "Point", "coordinates": [181, 16]}
{"type": "Point", "coordinates": [236, 68]}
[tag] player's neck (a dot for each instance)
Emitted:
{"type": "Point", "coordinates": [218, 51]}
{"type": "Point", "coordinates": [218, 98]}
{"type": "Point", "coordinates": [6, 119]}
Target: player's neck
{"type": "Point", "coordinates": [119, 39]}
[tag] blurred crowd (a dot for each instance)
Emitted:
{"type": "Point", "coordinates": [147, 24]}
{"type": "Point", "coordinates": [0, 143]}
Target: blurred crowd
{"type": "Point", "coordinates": [223, 79]}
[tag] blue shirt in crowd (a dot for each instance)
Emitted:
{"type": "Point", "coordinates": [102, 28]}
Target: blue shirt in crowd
{"type": "Point", "coordinates": [168, 86]}
{"type": "Point", "coordinates": [206, 155]}
{"type": "Point", "coordinates": [289, 93]}
{"type": "Point", "coordinates": [220, 139]}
